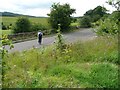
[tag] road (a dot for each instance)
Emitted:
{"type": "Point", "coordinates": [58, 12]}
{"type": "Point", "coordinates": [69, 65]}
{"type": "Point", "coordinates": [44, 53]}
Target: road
{"type": "Point", "coordinates": [82, 34]}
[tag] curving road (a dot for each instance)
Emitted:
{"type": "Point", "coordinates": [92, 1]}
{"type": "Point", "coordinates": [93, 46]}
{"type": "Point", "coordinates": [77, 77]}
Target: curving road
{"type": "Point", "coordinates": [82, 34]}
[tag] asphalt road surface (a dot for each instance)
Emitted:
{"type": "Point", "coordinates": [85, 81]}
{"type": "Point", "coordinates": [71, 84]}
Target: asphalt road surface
{"type": "Point", "coordinates": [82, 35]}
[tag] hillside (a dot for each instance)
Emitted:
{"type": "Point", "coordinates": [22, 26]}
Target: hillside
{"type": "Point", "coordinates": [10, 14]}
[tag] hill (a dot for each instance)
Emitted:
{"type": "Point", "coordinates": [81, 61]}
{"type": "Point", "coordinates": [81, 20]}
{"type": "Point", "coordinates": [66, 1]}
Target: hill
{"type": "Point", "coordinates": [10, 14]}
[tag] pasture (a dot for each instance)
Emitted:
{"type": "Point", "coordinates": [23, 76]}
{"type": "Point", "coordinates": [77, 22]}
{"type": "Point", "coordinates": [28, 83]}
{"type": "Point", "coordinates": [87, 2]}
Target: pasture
{"type": "Point", "coordinates": [11, 20]}
{"type": "Point", "coordinates": [6, 32]}
{"type": "Point", "coordinates": [38, 20]}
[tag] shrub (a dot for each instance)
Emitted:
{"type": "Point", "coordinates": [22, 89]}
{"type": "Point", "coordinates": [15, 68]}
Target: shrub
{"type": "Point", "coordinates": [3, 27]}
{"type": "Point", "coordinates": [37, 27]}
{"type": "Point", "coordinates": [22, 25]}
{"type": "Point", "coordinates": [85, 22]}
{"type": "Point", "coordinates": [10, 26]}
{"type": "Point", "coordinates": [109, 25]}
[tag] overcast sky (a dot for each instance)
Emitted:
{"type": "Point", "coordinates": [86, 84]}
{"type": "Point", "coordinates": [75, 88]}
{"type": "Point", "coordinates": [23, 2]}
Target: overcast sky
{"type": "Point", "coordinates": [42, 7]}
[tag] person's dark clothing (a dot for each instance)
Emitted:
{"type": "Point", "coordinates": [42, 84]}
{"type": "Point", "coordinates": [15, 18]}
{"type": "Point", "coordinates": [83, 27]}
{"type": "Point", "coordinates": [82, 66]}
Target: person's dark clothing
{"type": "Point", "coordinates": [39, 38]}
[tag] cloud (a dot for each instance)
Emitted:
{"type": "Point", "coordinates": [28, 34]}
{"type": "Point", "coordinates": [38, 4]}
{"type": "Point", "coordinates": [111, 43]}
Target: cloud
{"type": "Point", "coordinates": [42, 7]}
{"type": "Point", "coordinates": [33, 5]}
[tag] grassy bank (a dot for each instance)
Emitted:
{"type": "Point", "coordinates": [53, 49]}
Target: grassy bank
{"type": "Point", "coordinates": [92, 64]}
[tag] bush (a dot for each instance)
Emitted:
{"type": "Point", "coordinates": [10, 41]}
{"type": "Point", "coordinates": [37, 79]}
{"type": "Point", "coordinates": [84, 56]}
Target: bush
{"type": "Point", "coordinates": [110, 25]}
{"type": "Point", "coordinates": [22, 25]}
{"type": "Point", "coordinates": [115, 16]}
{"type": "Point", "coordinates": [85, 22]}
{"type": "Point", "coordinates": [10, 26]}
{"type": "Point", "coordinates": [3, 27]}
{"type": "Point", "coordinates": [37, 27]}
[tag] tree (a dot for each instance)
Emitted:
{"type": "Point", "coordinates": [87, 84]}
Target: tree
{"type": "Point", "coordinates": [85, 22]}
{"type": "Point", "coordinates": [114, 3]}
{"type": "Point", "coordinates": [109, 25]}
{"type": "Point", "coordinates": [99, 10]}
{"type": "Point", "coordinates": [89, 13]}
{"type": "Point", "coordinates": [96, 13]}
{"type": "Point", "coordinates": [61, 14]}
{"type": "Point", "coordinates": [22, 25]}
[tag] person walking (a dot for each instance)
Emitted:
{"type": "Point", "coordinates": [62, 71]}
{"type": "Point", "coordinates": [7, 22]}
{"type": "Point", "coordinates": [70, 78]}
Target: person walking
{"type": "Point", "coordinates": [40, 34]}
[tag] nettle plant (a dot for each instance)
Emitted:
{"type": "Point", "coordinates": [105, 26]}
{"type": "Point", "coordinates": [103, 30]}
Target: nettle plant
{"type": "Point", "coordinates": [59, 40]}
{"type": "Point", "coordinates": [64, 49]}
{"type": "Point", "coordinates": [5, 41]}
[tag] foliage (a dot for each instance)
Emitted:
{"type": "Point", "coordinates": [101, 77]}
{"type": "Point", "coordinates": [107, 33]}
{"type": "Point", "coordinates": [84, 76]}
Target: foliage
{"type": "Point", "coordinates": [61, 14]}
{"type": "Point", "coordinates": [107, 27]}
{"type": "Point", "coordinates": [3, 51]}
{"type": "Point", "coordinates": [5, 41]}
{"type": "Point", "coordinates": [4, 27]}
{"type": "Point", "coordinates": [37, 27]}
{"type": "Point", "coordinates": [115, 16]}
{"type": "Point", "coordinates": [85, 22]}
{"type": "Point", "coordinates": [92, 64]}
{"type": "Point", "coordinates": [96, 13]}
{"type": "Point", "coordinates": [114, 3]}
{"type": "Point", "coordinates": [22, 25]}
{"type": "Point", "coordinates": [92, 16]}
{"type": "Point", "coordinates": [100, 80]}
{"type": "Point", "coordinates": [59, 41]}
{"type": "Point", "coordinates": [110, 25]}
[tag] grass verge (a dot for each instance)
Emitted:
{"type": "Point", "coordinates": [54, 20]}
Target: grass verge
{"type": "Point", "coordinates": [92, 64]}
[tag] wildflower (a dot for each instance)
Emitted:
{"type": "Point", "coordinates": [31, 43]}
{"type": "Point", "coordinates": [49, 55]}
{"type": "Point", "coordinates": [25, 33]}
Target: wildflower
{"type": "Point", "coordinates": [14, 66]}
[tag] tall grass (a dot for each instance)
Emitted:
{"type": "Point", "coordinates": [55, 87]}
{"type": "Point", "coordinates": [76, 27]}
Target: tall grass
{"type": "Point", "coordinates": [92, 64]}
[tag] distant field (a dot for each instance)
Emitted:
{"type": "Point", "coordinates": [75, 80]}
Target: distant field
{"type": "Point", "coordinates": [5, 32]}
{"type": "Point", "coordinates": [12, 20]}
{"type": "Point", "coordinates": [43, 21]}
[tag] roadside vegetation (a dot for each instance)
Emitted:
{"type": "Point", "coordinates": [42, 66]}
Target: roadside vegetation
{"type": "Point", "coordinates": [90, 64]}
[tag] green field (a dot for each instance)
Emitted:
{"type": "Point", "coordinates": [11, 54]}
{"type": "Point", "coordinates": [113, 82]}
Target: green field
{"type": "Point", "coordinates": [5, 32]}
{"type": "Point", "coordinates": [43, 21]}
{"type": "Point", "coordinates": [12, 20]}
